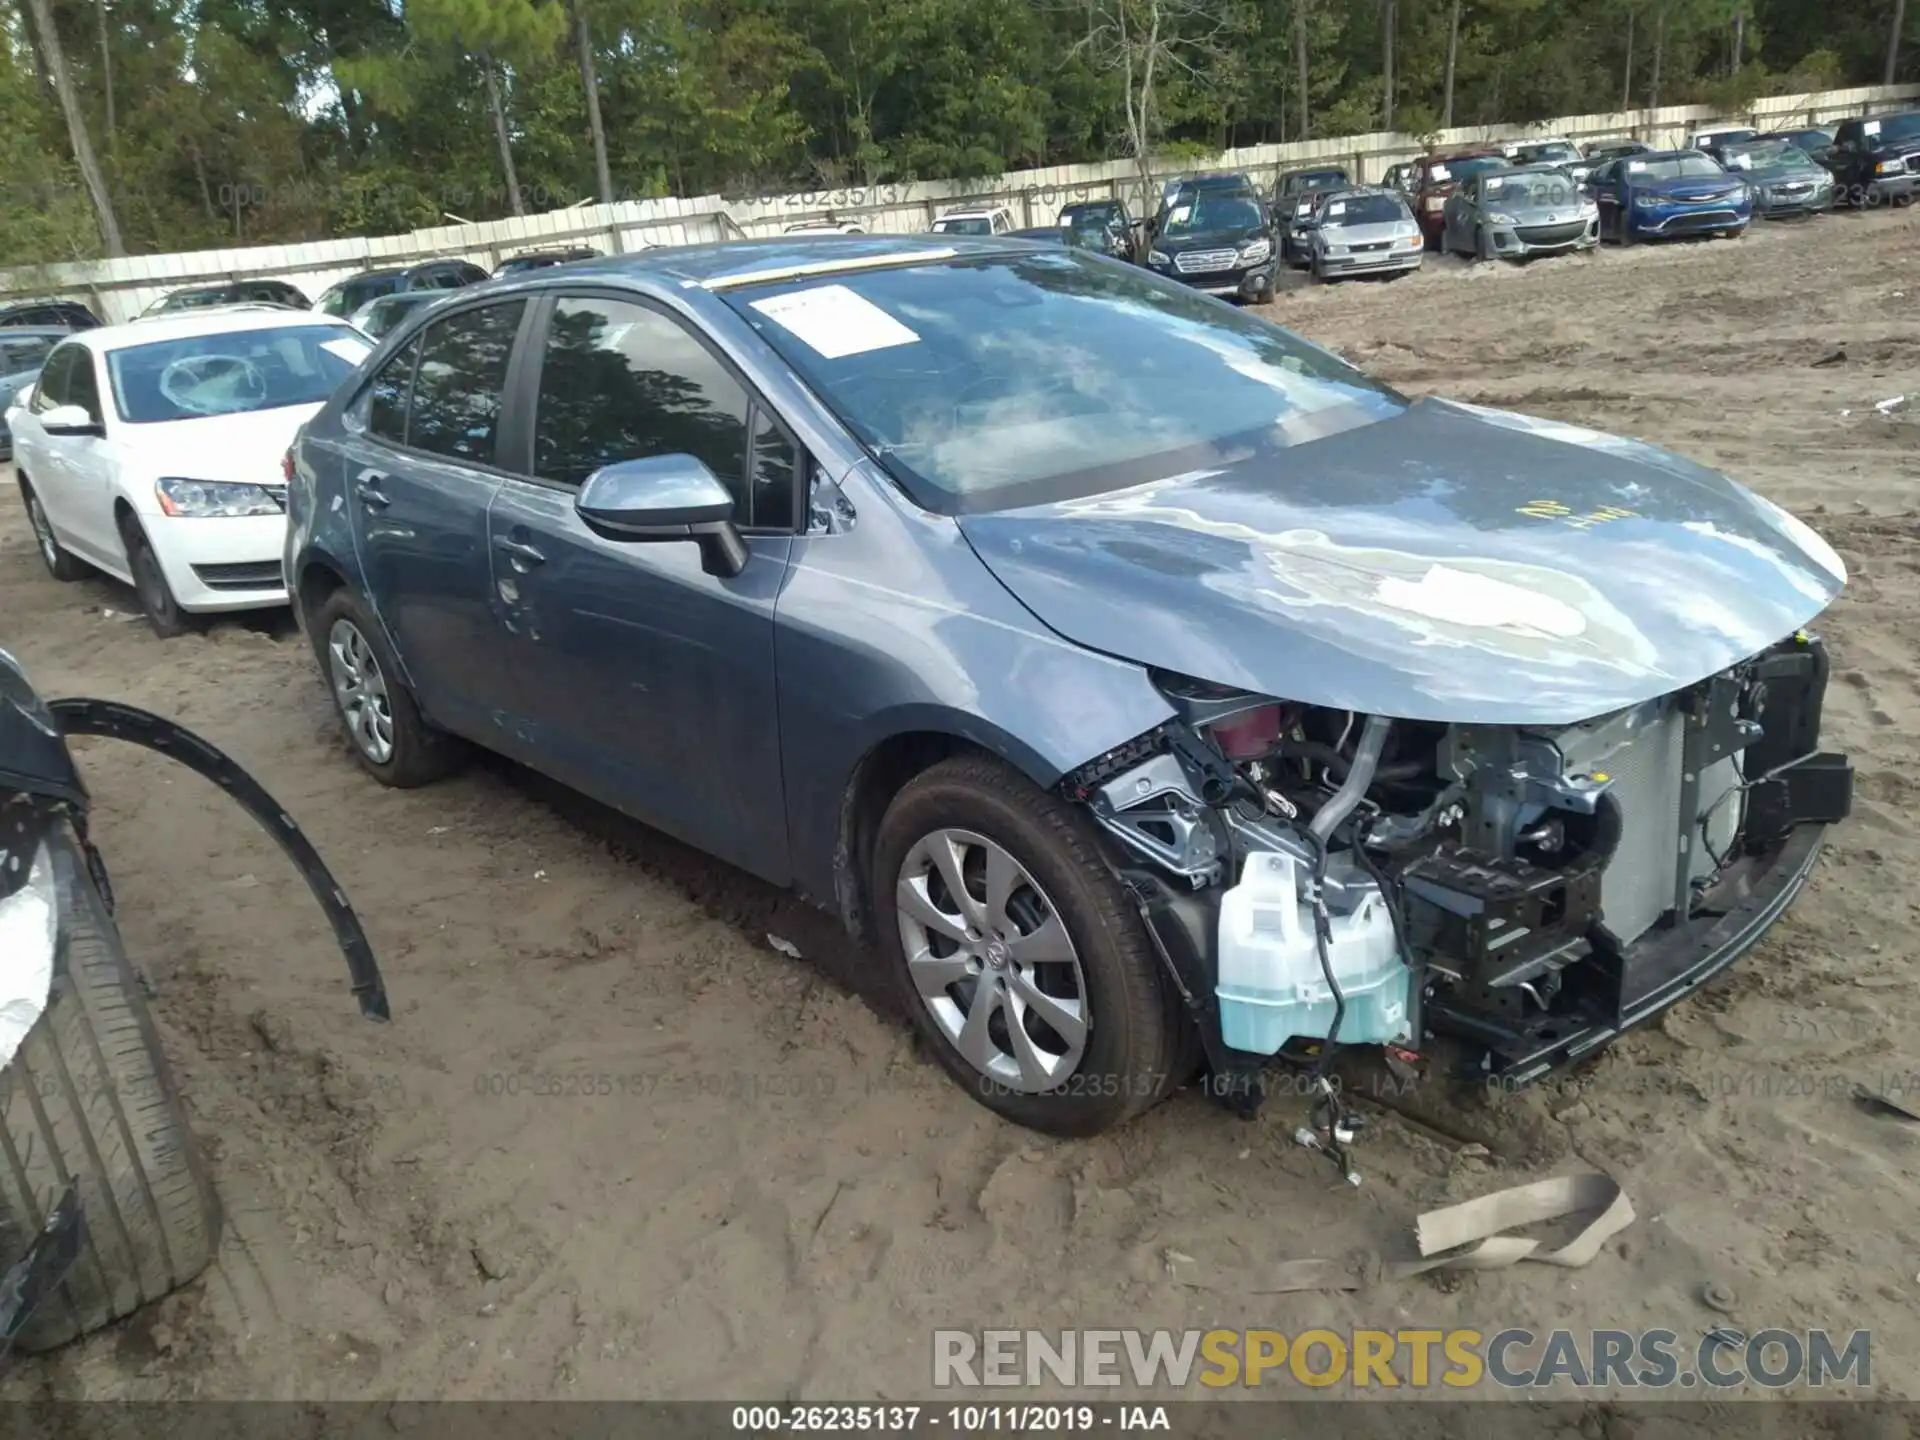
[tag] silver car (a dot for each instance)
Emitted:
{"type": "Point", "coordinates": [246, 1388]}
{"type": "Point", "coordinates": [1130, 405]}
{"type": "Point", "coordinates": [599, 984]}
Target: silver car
{"type": "Point", "coordinates": [1510, 214]}
{"type": "Point", "coordinates": [1363, 232]}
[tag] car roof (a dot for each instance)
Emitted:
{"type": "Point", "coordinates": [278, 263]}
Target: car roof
{"type": "Point", "coordinates": [216, 320]}
{"type": "Point", "coordinates": [553, 250]}
{"type": "Point", "coordinates": [1313, 170]}
{"type": "Point", "coordinates": [721, 264]}
{"type": "Point", "coordinates": [37, 332]}
{"type": "Point", "coordinates": [1467, 152]}
{"type": "Point", "coordinates": [1543, 167]}
{"type": "Point", "coordinates": [966, 212]}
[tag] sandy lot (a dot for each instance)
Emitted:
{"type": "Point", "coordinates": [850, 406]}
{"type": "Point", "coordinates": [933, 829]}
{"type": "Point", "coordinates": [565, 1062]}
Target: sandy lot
{"type": "Point", "coordinates": [777, 1198]}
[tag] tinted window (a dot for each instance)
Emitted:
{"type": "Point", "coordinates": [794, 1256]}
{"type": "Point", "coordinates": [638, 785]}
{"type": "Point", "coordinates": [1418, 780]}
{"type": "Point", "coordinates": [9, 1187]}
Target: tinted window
{"type": "Point", "coordinates": [981, 226]}
{"type": "Point", "coordinates": [1893, 129]}
{"type": "Point", "coordinates": [974, 379]}
{"type": "Point", "coordinates": [1366, 210]}
{"type": "Point", "coordinates": [387, 396]}
{"type": "Point", "coordinates": [349, 295]}
{"type": "Point", "coordinates": [462, 376]}
{"type": "Point", "coordinates": [775, 462]}
{"type": "Point", "coordinates": [622, 382]}
{"type": "Point", "coordinates": [1674, 167]}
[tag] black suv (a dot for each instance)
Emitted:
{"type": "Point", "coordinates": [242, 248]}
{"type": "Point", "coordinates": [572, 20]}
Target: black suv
{"type": "Point", "coordinates": [1102, 225]}
{"type": "Point", "coordinates": [541, 259]}
{"type": "Point", "coordinates": [233, 292]}
{"type": "Point", "coordinates": [350, 294]}
{"type": "Point", "coordinates": [64, 314]}
{"type": "Point", "coordinates": [1876, 159]}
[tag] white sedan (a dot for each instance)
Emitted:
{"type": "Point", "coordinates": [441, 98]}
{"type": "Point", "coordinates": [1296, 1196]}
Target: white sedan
{"type": "Point", "coordinates": [155, 451]}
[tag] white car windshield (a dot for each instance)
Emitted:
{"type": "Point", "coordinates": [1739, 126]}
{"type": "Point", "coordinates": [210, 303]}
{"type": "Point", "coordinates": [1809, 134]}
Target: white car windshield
{"type": "Point", "coordinates": [230, 374]}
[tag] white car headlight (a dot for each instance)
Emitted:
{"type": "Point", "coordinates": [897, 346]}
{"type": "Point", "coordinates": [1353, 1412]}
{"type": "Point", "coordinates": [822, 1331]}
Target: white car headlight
{"type": "Point", "coordinates": [29, 930]}
{"type": "Point", "coordinates": [1336, 249]}
{"type": "Point", "coordinates": [1158, 258]}
{"type": "Point", "coordinates": [1255, 250]}
{"type": "Point", "coordinates": [1500, 217]}
{"type": "Point", "coordinates": [210, 499]}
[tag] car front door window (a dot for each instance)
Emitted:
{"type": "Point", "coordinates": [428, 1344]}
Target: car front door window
{"type": "Point", "coordinates": [620, 381]}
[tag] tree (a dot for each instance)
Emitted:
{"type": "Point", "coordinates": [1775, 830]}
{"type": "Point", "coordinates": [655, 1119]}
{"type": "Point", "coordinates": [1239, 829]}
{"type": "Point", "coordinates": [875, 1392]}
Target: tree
{"type": "Point", "coordinates": [1893, 42]}
{"type": "Point", "coordinates": [1300, 59]}
{"type": "Point", "coordinates": [1389, 22]}
{"type": "Point", "coordinates": [493, 34]}
{"type": "Point", "coordinates": [590, 85]}
{"type": "Point", "coordinates": [48, 40]}
{"type": "Point", "coordinates": [1144, 42]}
{"type": "Point", "coordinates": [1453, 58]}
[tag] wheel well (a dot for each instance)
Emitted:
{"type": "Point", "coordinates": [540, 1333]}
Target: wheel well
{"type": "Point", "coordinates": [318, 580]}
{"type": "Point", "coordinates": [882, 774]}
{"type": "Point", "coordinates": [122, 517]}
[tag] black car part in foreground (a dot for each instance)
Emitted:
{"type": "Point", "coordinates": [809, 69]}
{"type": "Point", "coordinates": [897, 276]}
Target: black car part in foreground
{"type": "Point", "coordinates": [91, 1125]}
{"type": "Point", "coordinates": [1548, 887]}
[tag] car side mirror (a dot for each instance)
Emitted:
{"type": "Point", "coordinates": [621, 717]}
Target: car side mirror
{"type": "Point", "coordinates": [665, 497]}
{"type": "Point", "coordinates": [71, 420]}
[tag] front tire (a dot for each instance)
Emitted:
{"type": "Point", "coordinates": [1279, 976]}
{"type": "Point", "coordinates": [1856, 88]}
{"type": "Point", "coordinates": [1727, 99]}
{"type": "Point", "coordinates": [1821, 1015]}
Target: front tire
{"type": "Point", "coordinates": [163, 612]}
{"type": "Point", "coordinates": [60, 564]}
{"type": "Point", "coordinates": [1017, 953]}
{"type": "Point", "coordinates": [384, 728]}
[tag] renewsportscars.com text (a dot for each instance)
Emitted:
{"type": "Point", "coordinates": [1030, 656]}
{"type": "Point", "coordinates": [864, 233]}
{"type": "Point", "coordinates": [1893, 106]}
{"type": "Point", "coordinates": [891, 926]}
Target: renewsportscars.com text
{"type": "Point", "coordinates": [1456, 1359]}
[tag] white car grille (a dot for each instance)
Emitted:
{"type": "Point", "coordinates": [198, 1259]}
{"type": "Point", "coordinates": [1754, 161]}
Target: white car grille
{"type": "Point", "coordinates": [1203, 262]}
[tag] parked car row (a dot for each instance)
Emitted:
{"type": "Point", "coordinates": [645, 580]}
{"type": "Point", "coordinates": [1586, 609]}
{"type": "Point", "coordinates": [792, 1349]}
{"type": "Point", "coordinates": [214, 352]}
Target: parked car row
{"type": "Point", "coordinates": [1105, 802]}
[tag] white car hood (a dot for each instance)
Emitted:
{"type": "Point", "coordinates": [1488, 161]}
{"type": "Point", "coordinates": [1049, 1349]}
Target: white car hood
{"type": "Point", "coordinates": [247, 447]}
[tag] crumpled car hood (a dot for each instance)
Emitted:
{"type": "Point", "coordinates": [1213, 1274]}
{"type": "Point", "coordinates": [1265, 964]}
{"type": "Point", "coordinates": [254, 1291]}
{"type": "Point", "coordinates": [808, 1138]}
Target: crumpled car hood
{"type": "Point", "coordinates": [1448, 563]}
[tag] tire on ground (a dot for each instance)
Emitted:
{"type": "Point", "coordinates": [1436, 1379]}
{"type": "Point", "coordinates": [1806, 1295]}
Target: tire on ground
{"type": "Point", "coordinates": [1141, 1044]}
{"type": "Point", "coordinates": [89, 1098]}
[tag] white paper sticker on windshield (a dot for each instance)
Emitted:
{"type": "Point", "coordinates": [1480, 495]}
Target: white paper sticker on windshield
{"type": "Point", "coordinates": [1178, 215]}
{"type": "Point", "coordinates": [1338, 207]}
{"type": "Point", "coordinates": [1440, 172]}
{"type": "Point", "coordinates": [835, 321]}
{"type": "Point", "coordinates": [1636, 166]}
{"type": "Point", "coordinates": [1872, 127]}
{"type": "Point", "coordinates": [348, 349]}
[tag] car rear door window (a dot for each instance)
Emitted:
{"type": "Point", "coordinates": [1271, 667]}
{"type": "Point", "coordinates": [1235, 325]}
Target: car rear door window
{"type": "Point", "coordinates": [620, 381]}
{"type": "Point", "coordinates": [460, 382]}
{"type": "Point", "coordinates": [387, 397]}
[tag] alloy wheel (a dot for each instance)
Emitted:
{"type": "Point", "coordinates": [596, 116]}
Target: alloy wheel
{"type": "Point", "coordinates": [360, 690]}
{"type": "Point", "coordinates": [991, 959]}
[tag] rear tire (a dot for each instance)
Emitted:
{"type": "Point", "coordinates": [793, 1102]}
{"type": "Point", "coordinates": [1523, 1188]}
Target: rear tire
{"type": "Point", "coordinates": [1131, 1047]}
{"type": "Point", "coordinates": [383, 725]}
{"type": "Point", "coordinates": [163, 612]}
{"type": "Point", "coordinates": [60, 564]}
{"type": "Point", "coordinates": [89, 1098]}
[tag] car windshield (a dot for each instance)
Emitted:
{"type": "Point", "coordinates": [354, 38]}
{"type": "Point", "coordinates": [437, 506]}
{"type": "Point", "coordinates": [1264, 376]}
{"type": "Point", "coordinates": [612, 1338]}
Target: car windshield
{"type": "Point", "coordinates": [383, 314]}
{"type": "Point", "coordinates": [1768, 155]}
{"type": "Point", "coordinates": [191, 300]}
{"type": "Point", "coordinates": [989, 382]}
{"type": "Point", "coordinates": [1316, 180]}
{"type": "Point", "coordinates": [1363, 210]}
{"type": "Point", "coordinates": [1673, 167]}
{"type": "Point", "coordinates": [230, 374]}
{"type": "Point", "coordinates": [1527, 187]}
{"type": "Point", "coordinates": [1893, 128]}
{"type": "Point", "coordinates": [349, 295]}
{"type": "Point", "coordinates": [969, 225]}
{"type": "Point", "coordinates": [1212, 210]}
{"type": "Point", "coordinates": [1552, 150]}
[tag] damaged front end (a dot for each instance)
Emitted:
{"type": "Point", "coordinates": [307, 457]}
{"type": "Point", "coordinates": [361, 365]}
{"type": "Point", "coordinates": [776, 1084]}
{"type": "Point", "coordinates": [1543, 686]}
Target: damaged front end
{"type": "Point", "coordinates": [1314, 877]}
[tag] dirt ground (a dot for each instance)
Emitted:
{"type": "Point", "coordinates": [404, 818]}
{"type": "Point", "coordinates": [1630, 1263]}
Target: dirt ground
{"type": "Point", "coordinates": [615, 1145]}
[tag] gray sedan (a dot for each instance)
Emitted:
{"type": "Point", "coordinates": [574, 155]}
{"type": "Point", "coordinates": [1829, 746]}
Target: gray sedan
{"type": "Point", "coordinates": [1782, 178]}
{"type": "Point", "coordinates": [1511, 214]}
{"type": "Point", "coordinates": [1216, 704]}
{"type": "Point", "coordinates": [1363, 232]}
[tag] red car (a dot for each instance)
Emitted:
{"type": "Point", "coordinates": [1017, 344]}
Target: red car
{"type": "Point", "coordinates": [1433, 178]}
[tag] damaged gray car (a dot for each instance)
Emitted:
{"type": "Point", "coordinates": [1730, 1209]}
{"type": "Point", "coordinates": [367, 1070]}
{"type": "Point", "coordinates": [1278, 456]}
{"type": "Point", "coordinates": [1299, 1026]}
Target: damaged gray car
{"type": "Point", "coordinates": [1218, 706]}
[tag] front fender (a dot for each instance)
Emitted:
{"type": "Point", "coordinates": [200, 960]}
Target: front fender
{"type": "Point", "coordinates": [895, 628]}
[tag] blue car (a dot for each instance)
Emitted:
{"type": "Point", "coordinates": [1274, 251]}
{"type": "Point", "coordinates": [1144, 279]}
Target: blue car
{"type": "Point", "coordinates": [1664, 193]}
{"type": "Point", "coordinates": [1215, 706]}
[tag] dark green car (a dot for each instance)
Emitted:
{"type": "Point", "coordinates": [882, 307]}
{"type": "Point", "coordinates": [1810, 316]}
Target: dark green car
{"type": "Point", "coordinates": [1784, 179]}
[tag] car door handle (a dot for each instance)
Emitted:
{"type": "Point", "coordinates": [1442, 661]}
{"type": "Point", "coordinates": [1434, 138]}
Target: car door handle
{"type": "Point", "coordinates": [370, 492]}
{"type": "Point", "coordinates": [519, 550]}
